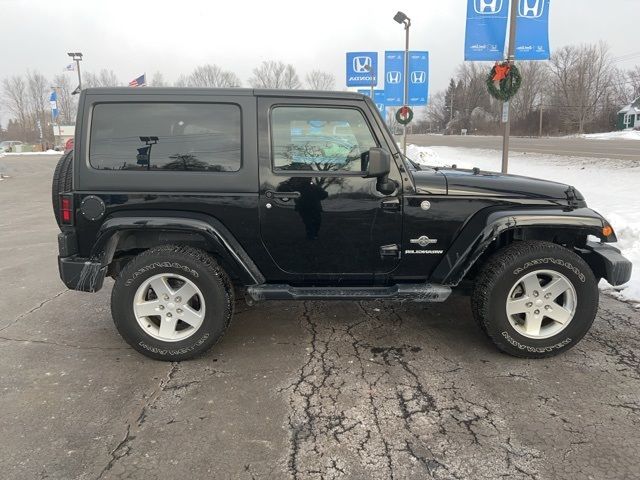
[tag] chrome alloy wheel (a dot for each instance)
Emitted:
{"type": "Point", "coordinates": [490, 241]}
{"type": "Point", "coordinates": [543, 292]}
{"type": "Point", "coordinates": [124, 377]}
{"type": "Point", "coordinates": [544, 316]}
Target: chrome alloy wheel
{"type": "Point", "coordinates": [169, 307]}
{"type": "Point", "coordinates": [541, 304]}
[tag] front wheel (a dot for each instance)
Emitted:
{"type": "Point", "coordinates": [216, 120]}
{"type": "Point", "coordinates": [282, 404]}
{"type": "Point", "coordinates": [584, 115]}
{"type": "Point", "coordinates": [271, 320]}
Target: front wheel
{"type": "Point", "coordinates": [172, 302]}
{"type": "Point", "coordinates": [535, 299]}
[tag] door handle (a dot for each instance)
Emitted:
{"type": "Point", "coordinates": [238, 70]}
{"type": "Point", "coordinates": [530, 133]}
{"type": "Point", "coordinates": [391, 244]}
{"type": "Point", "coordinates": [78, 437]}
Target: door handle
{"type": "Point", "coordinates": [282, 195]}
{"type": "Point", "coordinates": [390, 204]}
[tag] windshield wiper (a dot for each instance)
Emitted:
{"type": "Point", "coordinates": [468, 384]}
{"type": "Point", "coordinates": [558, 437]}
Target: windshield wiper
{"type": "Point", "coordinates": [414, 164]}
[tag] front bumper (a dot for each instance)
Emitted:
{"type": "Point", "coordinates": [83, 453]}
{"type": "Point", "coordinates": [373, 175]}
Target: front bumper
{"type": "Point", "coordinates": [607, 262]}
{"type": "Point", "coordinates": [76, 272]}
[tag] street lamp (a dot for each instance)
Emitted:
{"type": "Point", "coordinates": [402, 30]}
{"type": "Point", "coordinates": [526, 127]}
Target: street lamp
{"type": "Point", "coordinates": [146, 156]}
{"type": "Point", "coordinates": [369, 68]}
{"type": "Point", "coordinates": [77, 57]}
{"type": "Point", "coordinates": [402, 19]}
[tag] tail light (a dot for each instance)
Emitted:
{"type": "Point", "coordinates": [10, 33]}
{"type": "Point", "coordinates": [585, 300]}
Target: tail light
{"type": "Point", "coordinates": [66, 209]}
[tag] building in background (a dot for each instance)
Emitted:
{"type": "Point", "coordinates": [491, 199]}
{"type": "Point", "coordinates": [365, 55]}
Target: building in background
{"type": "Point", "coordinates": [629, 116]}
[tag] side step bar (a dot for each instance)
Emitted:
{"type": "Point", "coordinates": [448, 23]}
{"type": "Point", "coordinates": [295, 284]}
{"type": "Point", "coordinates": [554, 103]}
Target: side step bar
{"type": "Point", "coordinates": [417, 292]}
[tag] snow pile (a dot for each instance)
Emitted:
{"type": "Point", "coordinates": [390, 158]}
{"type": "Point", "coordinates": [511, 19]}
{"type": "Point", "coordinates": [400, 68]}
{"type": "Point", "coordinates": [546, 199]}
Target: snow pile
{"type": "Point", "coordinates": [621, 135]}
{"type": "Point", "coordinates": [611, 187]}
{"type": "Point", "coordinates": [48, 152]}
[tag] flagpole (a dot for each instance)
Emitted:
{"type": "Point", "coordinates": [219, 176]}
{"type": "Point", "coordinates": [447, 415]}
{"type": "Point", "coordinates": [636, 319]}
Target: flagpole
{"type": "Point", "coordinates": [511, 56]}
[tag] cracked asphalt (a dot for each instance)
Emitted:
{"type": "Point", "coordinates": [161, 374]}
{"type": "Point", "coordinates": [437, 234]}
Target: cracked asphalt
{"type": "Point", "coordinates": [314, 390]}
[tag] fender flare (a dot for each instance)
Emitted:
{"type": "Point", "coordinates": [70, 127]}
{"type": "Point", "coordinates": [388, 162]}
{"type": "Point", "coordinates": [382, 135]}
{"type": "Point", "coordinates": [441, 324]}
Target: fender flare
{"type": "Point", "coordinates": [485, 226]}
{"type": "Point", "coordinates": [217, 236]}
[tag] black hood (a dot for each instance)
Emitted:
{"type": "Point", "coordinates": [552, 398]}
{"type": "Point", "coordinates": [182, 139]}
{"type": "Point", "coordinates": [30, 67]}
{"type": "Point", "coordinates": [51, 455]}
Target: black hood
{"type": "Point", "coordinates": [478, 183]}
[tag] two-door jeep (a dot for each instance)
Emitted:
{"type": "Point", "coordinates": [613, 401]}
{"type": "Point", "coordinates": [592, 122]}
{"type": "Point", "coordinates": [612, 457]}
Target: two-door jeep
{"type": "Point", "coordinates": [190, 198]}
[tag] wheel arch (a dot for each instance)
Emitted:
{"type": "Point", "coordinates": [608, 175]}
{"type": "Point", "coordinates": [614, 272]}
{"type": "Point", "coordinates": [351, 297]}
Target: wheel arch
{"type": "Point", "coordinates": [120, 237]}
{"type": "Point", "coordinates": [490, 230]}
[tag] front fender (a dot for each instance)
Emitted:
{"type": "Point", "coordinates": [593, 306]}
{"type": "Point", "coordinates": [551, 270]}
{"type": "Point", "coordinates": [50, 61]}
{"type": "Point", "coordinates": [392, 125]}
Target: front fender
{"type": "Point", "coordinates": [485, 226]}
{"type": "Point", "coordinates": [219, 240]}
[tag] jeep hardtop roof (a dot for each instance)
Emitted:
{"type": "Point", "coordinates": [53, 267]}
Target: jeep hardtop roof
{"type": "Point", "coordinates": [262, 92]}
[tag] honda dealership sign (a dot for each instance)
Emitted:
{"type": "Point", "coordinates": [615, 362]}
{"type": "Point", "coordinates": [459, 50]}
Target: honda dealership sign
{"type": "Point", "coordinates": [418, 78]}
{"type": "Point", "coordinates": [532, 31]}
{"type": "Point", "coordinates": [379, 99]}
{"type": "Point", "coordinates": [487, 30]}
{"type": "Point", "coordinates": [394, 78]}
{"type": "Point", "coordinates": [362, 69]}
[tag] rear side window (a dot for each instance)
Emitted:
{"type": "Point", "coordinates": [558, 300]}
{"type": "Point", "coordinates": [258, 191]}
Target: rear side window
{"type": "Point", "coordinates": [166, 136]}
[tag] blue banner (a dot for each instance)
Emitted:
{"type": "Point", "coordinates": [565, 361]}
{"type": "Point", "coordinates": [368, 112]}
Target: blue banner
{"type": "Point", "coordinates": [418, 78]}
{"type": "Point", "coordinates": [532, 30]}
{"type": "Point", "coordinates": [379, 99]}
{"type": "Point", "coordinates": [486, 29]}
{"type": "Point", "coordinates": [394, 78]}
{"type": "Point", "coordinates": [361, 66]}
{"type": "Point", "coordinates": [53, 101]}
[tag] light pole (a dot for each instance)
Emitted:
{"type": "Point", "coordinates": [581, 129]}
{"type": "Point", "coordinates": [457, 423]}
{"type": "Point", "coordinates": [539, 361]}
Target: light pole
{"type": "Point", "coordinates": [77, 57]}
{"type": "Point", "coordinates": [402, 19]}
{"type": "Point", "coordinates": [369, 68]}
{"type": "Point", "coordinates": [511, 57]}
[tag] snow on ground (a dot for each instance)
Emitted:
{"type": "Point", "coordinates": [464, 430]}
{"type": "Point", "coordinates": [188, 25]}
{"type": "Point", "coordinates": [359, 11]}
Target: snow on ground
{"type": "Point", "coordinates": [611, 187]}
{"type": "Point", "coordinates": [621, 135]}
{"type": "Point", "coordinates": [48, 152]}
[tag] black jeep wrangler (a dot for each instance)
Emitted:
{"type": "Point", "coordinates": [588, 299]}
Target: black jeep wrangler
{"type": "Point", "coordinates": [189, 198]}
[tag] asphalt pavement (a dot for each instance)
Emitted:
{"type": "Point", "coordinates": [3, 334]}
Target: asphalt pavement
{"type": "Point", "coordinates": [565, 146]}
{"type": "Point", "coordinates": [313, 390]}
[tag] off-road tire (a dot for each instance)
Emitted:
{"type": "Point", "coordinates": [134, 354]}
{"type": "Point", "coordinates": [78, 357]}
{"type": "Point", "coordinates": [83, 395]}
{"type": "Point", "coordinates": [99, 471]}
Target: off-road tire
{"type": "Point", "coordinates": [61, 183]}
{"type": "Point", "coordinates": [502, 271]}
{"type": "Point", "coordinates": [191, 263]}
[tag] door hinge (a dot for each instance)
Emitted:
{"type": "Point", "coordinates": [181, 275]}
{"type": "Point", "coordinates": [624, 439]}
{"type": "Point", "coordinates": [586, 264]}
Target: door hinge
{"type": "Point", "coordinates": [390, 251]}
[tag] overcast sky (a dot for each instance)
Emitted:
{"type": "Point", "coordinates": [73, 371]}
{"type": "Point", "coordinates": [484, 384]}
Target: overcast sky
{"type": "Point", "coordinates": [134, 37]}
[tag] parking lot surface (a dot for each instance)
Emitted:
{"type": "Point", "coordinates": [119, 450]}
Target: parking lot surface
{"type": "Point", "coordinates": [316, 390]}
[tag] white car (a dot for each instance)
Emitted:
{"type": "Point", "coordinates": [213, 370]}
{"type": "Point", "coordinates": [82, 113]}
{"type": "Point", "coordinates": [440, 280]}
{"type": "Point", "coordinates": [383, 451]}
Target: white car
{"type": "Point", "coordinates": [8, 145]}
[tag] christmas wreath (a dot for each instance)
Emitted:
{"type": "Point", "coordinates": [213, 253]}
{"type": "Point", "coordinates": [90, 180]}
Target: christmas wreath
{"type": "Point", "coordinates": [504, 81]}
{"type": "Point", "coordinates": [404, 115]}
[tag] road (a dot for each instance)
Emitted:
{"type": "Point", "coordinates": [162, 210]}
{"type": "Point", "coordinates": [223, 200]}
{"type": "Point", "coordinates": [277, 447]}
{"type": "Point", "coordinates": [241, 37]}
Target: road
{"type": "Point", "coordinates": [571, 147]}
{"type": "Point", "coordinates": [355, 390]}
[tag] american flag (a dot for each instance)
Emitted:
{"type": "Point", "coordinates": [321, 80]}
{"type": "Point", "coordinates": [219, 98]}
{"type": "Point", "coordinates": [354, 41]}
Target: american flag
{"type": "Point", "coordinates": [141, 81]}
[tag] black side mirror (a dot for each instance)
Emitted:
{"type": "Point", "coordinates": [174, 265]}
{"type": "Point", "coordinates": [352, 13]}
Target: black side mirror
{"type": "Point", "coordinates": [379, 163]}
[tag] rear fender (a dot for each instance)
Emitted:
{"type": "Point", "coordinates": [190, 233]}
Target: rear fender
{"type": "Point", "coordinates": [484, 227]}
{"type": "Point", "coordinates": [218, 238]}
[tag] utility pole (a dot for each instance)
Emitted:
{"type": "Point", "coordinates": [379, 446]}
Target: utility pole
{"type": "Point", "coordinates": [511, 56]}
{"type": "Point", "coordinates": [540, 130]}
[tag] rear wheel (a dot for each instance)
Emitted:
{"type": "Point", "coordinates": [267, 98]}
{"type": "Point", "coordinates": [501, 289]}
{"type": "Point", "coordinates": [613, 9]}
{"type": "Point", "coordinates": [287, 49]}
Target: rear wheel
{"type": "Point", "coordinates": [535, 299]}
{"type": "Point", "coordinates": [61, 183]}
{"type": "Point", "coordinates": [172, 302]}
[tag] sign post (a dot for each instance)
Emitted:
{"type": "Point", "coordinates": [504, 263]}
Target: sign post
{"type": "Point", "coordinates": [505, 106]}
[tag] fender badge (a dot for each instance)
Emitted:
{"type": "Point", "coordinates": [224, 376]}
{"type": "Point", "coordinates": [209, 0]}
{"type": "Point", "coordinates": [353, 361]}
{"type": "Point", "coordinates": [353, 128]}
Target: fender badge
{"type": "Point", "coordinates": [425, 205]}
{"type": "Point", "coordinates": [424, 241]}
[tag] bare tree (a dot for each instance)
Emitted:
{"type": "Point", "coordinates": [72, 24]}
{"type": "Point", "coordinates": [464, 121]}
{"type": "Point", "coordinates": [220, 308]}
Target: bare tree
{"type": "Point", "coordinates": [67, 103]}
{"type": "Point", "coordinates": [582, 79]}
{"type": "Point", "coordinates": [319, 80]}
{"type": "Point", "coordinates": [15, 98]}
{"type": "Point", "coordinates": [272, 74]}
{"type": "Point", "coordinates": [182, 81]}
{"type": "Point", "coordinates": [532, 91]}
{"type": "Point", "coordinates": [158, 80]}
{"type": "Point", "coordinates": [634, 81]}
{"type": "Point", "coordinates": [39, 107]}
{"type": "Point", "coordinates": [213, 76]}
{"type": "Point", "coordinates": [436, 111]}
{"type": "Point", "coordinates": [105, 78]}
